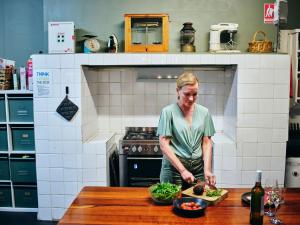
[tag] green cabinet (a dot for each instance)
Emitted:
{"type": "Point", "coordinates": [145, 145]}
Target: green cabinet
{"type": "Point", "coordinates": [4, 167]}
{"type": "Point", "coordinates": [20, 108]}
{"type": "Point", "coordinates": [18, 187]}
{"type": "Point", "coordinates": [25, 196]}
{"type": "Point", "coordinates": [3, 138]}
{"type": "Point", "coordinates": [22, 138]}
{"type": "Point", "coordinates": [22, 168]}
{"type": "Point", "coordinates": [5, 195]}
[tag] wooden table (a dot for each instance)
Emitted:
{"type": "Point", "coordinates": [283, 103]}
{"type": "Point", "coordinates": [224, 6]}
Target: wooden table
{"type": "Point", "coordinates": [124, 205]}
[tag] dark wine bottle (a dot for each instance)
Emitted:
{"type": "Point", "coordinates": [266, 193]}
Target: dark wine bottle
{"type": "Point", "coordinates": [257, 202]}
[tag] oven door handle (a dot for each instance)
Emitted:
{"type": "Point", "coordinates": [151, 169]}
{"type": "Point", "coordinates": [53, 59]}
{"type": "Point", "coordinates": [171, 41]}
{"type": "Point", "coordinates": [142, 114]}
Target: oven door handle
{"type": "Point", "coordinates": [150, 158]}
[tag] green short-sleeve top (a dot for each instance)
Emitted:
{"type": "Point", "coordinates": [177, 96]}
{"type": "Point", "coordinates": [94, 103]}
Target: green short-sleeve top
{"type": "Point", "coordinates": [186, 140]}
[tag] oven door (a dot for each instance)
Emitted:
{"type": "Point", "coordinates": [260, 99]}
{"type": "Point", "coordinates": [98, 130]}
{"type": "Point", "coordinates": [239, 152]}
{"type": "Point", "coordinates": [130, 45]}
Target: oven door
{"type": "Point", "coordinates": [143, 171]}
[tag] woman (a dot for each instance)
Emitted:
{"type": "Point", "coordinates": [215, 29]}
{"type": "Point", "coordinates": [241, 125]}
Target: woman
{"type": "Point", "coordinates": [185, 129]}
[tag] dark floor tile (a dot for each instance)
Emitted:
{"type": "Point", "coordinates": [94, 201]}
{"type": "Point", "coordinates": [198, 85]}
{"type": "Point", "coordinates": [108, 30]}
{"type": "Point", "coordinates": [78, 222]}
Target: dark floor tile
{"type": "Point", "coordinates": [21, 218]}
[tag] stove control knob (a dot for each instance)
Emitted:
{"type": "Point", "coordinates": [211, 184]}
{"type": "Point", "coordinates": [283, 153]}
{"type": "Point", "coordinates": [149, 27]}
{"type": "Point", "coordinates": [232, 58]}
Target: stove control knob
{"type": "Point", "coordinates": [133, 149]}
{"type": "Point", "coordinates": [140, 148]}
{"type": "Point", "coordinates": [155, 149]}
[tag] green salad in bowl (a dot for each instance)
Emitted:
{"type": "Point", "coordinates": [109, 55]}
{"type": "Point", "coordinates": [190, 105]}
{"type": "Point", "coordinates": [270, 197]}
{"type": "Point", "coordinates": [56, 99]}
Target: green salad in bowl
{"type": "Point", "coordinates": [164, 193]}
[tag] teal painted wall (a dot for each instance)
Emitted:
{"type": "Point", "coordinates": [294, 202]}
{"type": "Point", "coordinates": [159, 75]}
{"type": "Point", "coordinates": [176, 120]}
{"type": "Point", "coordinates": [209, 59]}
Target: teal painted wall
{"type": "Point", "coordinates": [24, 22]}
{"type": "Point", "coordinates": [21, 32]}
{"type": "Point", "coordinates": [104, 17]}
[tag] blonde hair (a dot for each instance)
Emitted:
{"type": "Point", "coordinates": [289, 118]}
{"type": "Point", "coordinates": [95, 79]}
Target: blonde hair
{"type": "Point", "coordinates": [186, 78]}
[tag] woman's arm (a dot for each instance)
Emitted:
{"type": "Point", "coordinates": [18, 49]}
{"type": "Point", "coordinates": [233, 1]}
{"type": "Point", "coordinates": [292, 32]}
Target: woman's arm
{"type": "Point", "coordinates": [167, 151]}
{"type": "Point", "coordinates": [207, 158]}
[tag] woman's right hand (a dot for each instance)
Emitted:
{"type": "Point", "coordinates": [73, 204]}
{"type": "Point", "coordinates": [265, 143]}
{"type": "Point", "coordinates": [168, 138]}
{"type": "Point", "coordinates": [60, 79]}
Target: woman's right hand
{"type": "Point", "coordinates": [187, 176]}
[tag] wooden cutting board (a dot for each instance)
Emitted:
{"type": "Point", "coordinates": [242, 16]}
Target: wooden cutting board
{"type": "Point", "coordinates": [210, 200]}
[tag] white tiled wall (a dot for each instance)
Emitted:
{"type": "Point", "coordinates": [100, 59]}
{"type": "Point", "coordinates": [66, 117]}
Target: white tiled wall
{"type": "Point", "coordinates": [122, 100]}
{"type": "Point", "coordinates": [249, 106]}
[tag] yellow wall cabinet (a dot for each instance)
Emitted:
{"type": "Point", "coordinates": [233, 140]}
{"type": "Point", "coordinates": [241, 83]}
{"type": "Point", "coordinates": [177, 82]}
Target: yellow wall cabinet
{"type": "Point", "coordinates": [146, 32]}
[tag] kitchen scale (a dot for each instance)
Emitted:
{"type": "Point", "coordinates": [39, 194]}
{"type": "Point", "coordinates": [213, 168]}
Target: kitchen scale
{"type": "Point", "coordinates": [91, 44]}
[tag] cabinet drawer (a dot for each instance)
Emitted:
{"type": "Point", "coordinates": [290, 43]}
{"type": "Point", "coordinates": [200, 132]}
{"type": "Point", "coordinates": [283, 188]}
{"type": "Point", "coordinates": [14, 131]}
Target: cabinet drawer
{"type": "Point", "coordinates": [4, 167]}
{"type": "Point", "coordinates": [22, 138]}
{"type": "Point", "coordinates": [20, 109]}
{"type": "Point", "coordinates": [2, 109]}
{"type": "Point", "coordinates": [22, 168]}
{"type": "Point", "coordinates": [3, 138]}
{"type": "Point", "coordinates": [5, 195]}
{"type": "Point", "coordinates": [25, 196]}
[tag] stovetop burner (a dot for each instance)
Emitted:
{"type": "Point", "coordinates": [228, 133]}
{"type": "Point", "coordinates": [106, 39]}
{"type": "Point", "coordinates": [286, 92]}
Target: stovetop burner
{"type": "Point", "coordinates": [140, 141]}
{"type": "Point", "coordinates": [140, 133]}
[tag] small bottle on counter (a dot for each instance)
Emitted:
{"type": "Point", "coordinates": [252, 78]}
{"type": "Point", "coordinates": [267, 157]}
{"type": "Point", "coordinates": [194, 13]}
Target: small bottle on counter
{"type": "Point", "coordinates": [257, 201]}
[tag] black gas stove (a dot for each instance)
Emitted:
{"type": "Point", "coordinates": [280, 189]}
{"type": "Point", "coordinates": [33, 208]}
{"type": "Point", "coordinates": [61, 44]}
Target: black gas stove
{"type": "Point", "coordinates": [140, 141]}
{"type": "Point", "coordinates": [139, 157]}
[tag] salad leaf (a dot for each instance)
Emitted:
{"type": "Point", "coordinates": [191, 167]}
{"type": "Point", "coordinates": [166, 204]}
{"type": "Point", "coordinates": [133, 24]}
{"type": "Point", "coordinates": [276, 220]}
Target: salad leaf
{"type": "Point", "coordinates": [213, 193]}
{"type": "Point", "coordinates": [165, 191]}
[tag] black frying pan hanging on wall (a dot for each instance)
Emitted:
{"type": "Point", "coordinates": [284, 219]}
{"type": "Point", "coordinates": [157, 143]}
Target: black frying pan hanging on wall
{"type": "Point", "coordinates": [67, 109]}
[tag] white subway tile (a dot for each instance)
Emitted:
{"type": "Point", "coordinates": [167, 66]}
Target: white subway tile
{"type": "Point", "coordinates": [44, 213]}
{"type": "Point", "coordinates": [249, 149]}
{"type": "Point", "coordinates": [67, 61]}
{"type": "Point", "coordinates": [231, 177]}
{"type": "Point", "coordinates": [281, 106]}
{"type": "Point", "coordinates": [228, 163]}
{"type": "Point", "coordinates": [264, 149]}
{"type": "Point", "coordinates": [57, 213]}
{"type": "Point", "coordinates": [267, 76]}
{"type": "Point", "coordinates": [282, 76]}
{"type": "Point", "coordinates": [266, 90]}
{"type": "Point", "coordinates": [43, 187]}
{"type": "Point", "coordinates": [263, 163]}
{"type": "Point", "coordinates": [248, 76]}
{"type": "Point", "coordinates": [56, 160]}
{"type": "Point", "coordinates": [44, 201]}
{"type": "Point", "coordinates": [114, 76]}
{"type": "Point", "coordinates": [239, 60]}
{"type": "Point", "coordinates": [248, 177]}
{"type": "Point", "coordinates": [265, 120]}
{"type": "Point", "coordinates": [71, 188]}
{"type": "Point", "coordinates": [282, 61]}
{"type": "Point", "coordinates": [280, 121]}
{"type": "Point", "coordinates": [208, 59]}
{"type": "Point", "coordinates": [247, 134]}
{"type": "Point", "coordinates": [247, 105]}
{"type": "Point", "coordinates": [267, 61]}
{"type": "Point", "coordinates": [70, 174]}
{"type": "Point", "coordinates": [43, 174]}
{"type": "Point", "coordinates": [95, 59]}
{"type": "Point", "coordinates": [217, 162]}
{"type": "Point", "coordinates": [57, 201]}
{"type": "Point", "coordinates": [279, 135]}
{"type": "Point", "coordinates": [81, 59]}
{"type": "Point", "coordinates": [57, 188]}
{"type": "Point", "coordinates": [248, 91]}
{"type": "Point", "coordinates": [265, 106]}
{"type": "Point", "coordinates": [56, 174]}
{"type": "Point", "coordinates": [281, 91]}
{"type": "Point", "coordinates": [158, 59]}
{"type": "Point", "coordinates": [39, 62]}
{"type": "Point", "coordinates": [253, 61]}
{"type": "Point", "coordinates": [264, 135]}
{"type": "Point", "coordinates": [52, 61]}
{"type": "Point", "coordinates": [279, 149]}
{"type": "Point", "coordinates": [249, 163]}
{"type": "Point", "coordinates": [277, 163]}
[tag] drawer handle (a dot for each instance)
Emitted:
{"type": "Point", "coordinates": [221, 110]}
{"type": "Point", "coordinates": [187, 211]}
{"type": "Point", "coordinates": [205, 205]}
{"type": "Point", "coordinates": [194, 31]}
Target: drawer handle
{"type": "Point", "coordinates": [22, 112]}
{"type": "Point", "coordinates": [27, 193]}
{"type": "Point", "coordinates": [25, 135]}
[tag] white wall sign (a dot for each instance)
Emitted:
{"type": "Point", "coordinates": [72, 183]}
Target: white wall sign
{"type": "Point", "coordinates": [43, 83]}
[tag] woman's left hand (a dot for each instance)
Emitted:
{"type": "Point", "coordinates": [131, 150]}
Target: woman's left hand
{"type": "Point", "coordinates": [210, 178]}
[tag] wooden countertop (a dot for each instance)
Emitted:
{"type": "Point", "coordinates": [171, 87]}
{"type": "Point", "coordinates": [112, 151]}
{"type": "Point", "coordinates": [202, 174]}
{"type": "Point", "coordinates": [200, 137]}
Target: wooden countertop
{"type": "Point", "coordinates": [124, 205]}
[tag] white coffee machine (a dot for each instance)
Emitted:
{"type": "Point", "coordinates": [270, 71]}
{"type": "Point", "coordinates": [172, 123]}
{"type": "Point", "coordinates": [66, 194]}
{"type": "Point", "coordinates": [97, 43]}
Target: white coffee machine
{"type": "Point", "coordinates": [222, 38]}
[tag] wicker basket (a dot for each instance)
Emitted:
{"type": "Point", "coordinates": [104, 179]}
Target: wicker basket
{"type": "Point", "coordinates": [261, 46]}
{"type": "Point", "coordinates": [6, 78]}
